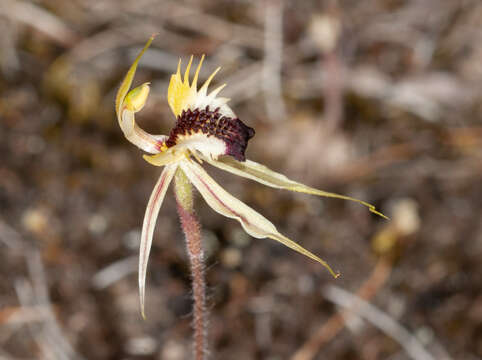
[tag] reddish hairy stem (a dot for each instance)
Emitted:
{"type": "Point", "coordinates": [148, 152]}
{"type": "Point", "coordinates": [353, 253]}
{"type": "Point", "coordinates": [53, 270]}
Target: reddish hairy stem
{"type": "Point", "coordinates": [192, 231]}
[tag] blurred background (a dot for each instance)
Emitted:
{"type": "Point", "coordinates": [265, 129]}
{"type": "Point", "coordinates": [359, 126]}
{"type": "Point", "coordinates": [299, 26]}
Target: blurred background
{"type": "Point", "coordinates": [377, 99]}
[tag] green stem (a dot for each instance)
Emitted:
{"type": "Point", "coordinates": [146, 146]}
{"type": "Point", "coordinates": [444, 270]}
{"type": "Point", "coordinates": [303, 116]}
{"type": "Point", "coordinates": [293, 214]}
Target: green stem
{"type": "Point", "coordinates": [192, 231]}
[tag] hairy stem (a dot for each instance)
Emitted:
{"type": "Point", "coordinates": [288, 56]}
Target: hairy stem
{"type": "Point", "coordinates": [192, 231]}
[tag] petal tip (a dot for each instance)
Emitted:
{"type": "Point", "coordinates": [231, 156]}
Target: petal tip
{"type": "Point", "coordinates": [376, 212]}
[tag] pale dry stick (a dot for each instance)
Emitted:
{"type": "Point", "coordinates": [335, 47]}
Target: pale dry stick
{"type": "Point", "coordinates": [192, 230]}
{"type": "Point", "coordinates": [19, 315]}
{"type": "Point", "coordinates": [336, 323]}
{"type": "Point", "coordinates": [39, 19]}
{"type": "Point", "coordinates": [26, 298]}
{"type": "Point", "coordinates": [10, 237]}
{"type": "Point", "coordinates": [378, 318]}
{"type": "Point", "coordinates": [9, 60]}
{"type": "Point", "coordinates": [425, 96]}
{"type": "Point", "coordinates": [35, 298]}
{"type": "Point", "coordinates": [369, 164]}
{"type": "Point", "coordinates": [262, 308]}
{"type": "Point", "coordinates": [12, 319]}
{"type": "Point", "coordinates": [325, 31]}
{"type": "Point", "coordinates": [206, 24]}
{"type": "Point", "coordinates": [115, 272]}
{"type": "Point", "coordinates": [273, 59]}
{"type": "Point", "coordinates": [114, 38]}
{"type": "Point", "coordinates": [245, 83]}
{"type": "Point", "coordinates": [333, 92]}
{"type": "Point", "coordinates": [104, 41]}
{"type": "Point", "coordinates": [52, 332]}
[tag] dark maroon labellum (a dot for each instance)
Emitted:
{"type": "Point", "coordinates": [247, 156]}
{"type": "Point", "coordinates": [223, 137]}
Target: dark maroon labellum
{"type": "Point", "coordinates": [232, 131]}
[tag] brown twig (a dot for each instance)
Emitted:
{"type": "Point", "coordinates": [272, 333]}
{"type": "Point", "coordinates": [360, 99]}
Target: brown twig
{"type": "Point", "coordinates": [336, 323]}
{"type": "Point", "coordinates": [353, 303]}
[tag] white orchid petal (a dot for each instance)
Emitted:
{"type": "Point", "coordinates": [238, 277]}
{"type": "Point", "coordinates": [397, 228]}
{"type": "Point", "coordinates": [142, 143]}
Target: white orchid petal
{"type": "Point", "coordinates": [196, 74]}
{"type": "Point", "coordinates": [216, 91]}
{"type": "Point", "coordinates": [142, 139]}
{"type": "Point", "coordinates": [260, 173]}
{"type": "Point", "coordinates": [166, 157]}
{"type": "Point", "coordinates": [203, 90]}
{"type": "Point", "coordinates": [150, 218]}
{"type": "Point", "coordinates": [187, 72]}
{"type": "Point", "coordinates": [224, 203]}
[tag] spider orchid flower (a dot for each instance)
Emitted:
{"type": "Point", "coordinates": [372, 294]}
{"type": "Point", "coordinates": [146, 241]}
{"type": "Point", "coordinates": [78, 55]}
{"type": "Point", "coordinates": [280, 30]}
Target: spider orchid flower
{"type": "Point", "coordinates": [206, 130]}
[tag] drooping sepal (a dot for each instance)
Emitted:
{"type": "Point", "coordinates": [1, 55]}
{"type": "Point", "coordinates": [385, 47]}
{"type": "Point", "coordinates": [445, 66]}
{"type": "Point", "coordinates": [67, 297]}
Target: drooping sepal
{"type": "Point", "coordinates": [252, 222]}
{"type": "Point", "coordinates": [150, 218]}
{"type": "Point", "coordinates": [262, 174]}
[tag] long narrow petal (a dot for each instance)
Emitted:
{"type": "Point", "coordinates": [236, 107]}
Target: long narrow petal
{"type": "Point", "coordinates": [224, 203]}
{"type": "Point", "coordinates": [196, 74]}
{"type": "Point", "coordinates": [260, 173]}
{"type": "Point", "coordinates": [150, 218]}
{"type": "Point", "coordinates": [129, 102]}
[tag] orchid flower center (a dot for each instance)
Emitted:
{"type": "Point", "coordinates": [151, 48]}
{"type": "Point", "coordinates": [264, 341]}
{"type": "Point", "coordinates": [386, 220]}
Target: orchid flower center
{"type": "Point", "coordinates": [211, 133]}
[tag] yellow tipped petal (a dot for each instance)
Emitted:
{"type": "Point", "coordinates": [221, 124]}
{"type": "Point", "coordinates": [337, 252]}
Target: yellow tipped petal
{"type": "Point", "coordinates": [180, 95]}
{"type": "Point", "coordinates": [183, 96]}
{"type": "Point", "coordinates": [225, 204]}
{"type": "Point", "coordinates": [260, 173]}
{"type": "Point", "coordinates": [216, 91]}
{"type": "Point", "coordinates": [298, 248]}
{"type": "Point", "coordinates": [178, 72]}
{"type": "Point", "coordinates": [186, 73]}
{"type": "Point", "coordinates": [208, 81]}
{"type": "Point", "coordinates": [196, 75]}
{"type": "Point", "coordinates": [149, 223]}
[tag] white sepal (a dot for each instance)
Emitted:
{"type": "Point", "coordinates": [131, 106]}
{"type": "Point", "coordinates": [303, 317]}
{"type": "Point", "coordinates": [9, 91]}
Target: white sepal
{"type": "Point", "coordinates": [262, 174]}
{"type": "Point", "coordinates": [225, 204]}
{"type": "Point", "coordinates": [150, 218]}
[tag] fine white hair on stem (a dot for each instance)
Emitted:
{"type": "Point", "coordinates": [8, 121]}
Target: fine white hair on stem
{"type": "Point", "coordinates": [273, 58]}
{"type": "Point", "coordinates": [412, 346]}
